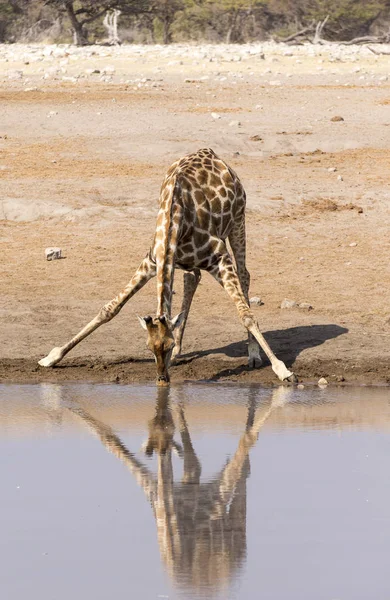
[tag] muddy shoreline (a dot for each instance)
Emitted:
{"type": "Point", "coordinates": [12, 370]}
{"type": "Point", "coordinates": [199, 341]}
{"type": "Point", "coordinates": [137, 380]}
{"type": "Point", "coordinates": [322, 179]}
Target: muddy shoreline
{"type": "Point", "coordinates": [125, 370]}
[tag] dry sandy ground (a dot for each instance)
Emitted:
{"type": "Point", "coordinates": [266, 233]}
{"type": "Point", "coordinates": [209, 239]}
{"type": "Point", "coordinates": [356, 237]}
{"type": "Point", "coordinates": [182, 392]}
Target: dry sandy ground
{"type": "Point", "coordinates": [82, 156]}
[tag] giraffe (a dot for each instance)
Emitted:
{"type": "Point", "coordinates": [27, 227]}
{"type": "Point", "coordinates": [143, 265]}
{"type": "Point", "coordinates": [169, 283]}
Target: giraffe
{"type": "Point", "coordinates": [202, 206]}
{"type": "Point", "coordinates": [201, 525]}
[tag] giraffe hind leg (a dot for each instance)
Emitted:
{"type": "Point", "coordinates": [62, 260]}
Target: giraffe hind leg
{"type": "Point", "coordinates": [145, 271]}
{"type": "Point", "coordinates": [191, 281]}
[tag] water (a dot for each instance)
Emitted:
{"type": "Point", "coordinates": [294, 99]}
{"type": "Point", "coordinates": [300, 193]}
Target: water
{"type": "Point", "coordinates": [248, 493]}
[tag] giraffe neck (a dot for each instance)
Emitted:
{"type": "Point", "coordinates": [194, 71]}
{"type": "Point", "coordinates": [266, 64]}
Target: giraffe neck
{"type": "Point", "coordinates": [167, 233]}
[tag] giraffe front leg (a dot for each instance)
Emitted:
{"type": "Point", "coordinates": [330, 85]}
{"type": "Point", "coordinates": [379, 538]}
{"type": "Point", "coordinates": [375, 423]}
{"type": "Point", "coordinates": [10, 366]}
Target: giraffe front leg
{"type": "Point", "coordinates": [191, 281]}
{"type": "Point", "coordinates": [145, 271]}
{"type": "Point", "coordinates": [225, 273]}
{"type": "Point", "coordinates": [237, 240]}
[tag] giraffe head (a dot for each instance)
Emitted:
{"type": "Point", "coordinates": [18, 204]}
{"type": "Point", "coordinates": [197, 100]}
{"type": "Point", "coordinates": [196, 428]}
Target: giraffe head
{"type": "Point", "coordinates": [161, 342]}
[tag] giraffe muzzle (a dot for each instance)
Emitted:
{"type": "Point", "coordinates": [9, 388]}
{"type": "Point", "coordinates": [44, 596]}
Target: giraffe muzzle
{"type": "Point", "coordinates": [163, 380]}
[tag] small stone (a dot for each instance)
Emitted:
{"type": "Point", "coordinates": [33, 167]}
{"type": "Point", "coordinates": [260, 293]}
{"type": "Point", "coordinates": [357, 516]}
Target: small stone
{"type": "Point", "coordinates": [235, 124]}
{"type": "Point", "coordinates": [322, 381]}
{"type": "Point", "coordinates": [256, 301]}
{"type": "Point", "coordinates": [305, 306]}
{"type": "Point", "coordinates": [339, 178]}
{"type": "Point", "coordinates": [352, 244]}
{"type": "Point", "coordinates": [215, 115]}
{"type": "Point", "coordinates": [52, 113]}
{"type": "Point", "coordinates": [300, 386]}
{"type": "Point", "coordinates": [256, 138]}
{"type": "Point", "coordinates": [53, 253]}
{"type": "Point", "coordinates": [108, 70]}
{"type": "Point", "coordinates": [332, 170]}
{"type": "Point", "coordinates": [340, 378]}
{"type": "Point", "coordinates": [337, 119]}
{"type": "Point", "coordinates": [286, 303]}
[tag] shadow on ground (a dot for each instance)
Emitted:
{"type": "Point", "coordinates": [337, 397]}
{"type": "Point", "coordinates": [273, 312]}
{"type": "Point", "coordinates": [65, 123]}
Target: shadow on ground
{"type": "Point", "coordinates": [287, 344]}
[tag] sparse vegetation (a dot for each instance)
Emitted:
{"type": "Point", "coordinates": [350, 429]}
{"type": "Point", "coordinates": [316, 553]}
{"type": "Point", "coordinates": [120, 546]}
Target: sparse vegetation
{"type": "Point", "coordinates": [167, 21]}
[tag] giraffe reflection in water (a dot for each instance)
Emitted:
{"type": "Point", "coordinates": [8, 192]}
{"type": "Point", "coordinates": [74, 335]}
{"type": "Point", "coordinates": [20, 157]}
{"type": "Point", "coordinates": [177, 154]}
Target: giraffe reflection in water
{"type": "Point", "coordinates": [201, 526]}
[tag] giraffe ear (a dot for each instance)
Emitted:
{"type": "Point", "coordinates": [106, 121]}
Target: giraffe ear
{"type": "Point", "coordinates": [178, 320]}
{"type": "Point", "coordinates": [144, 322]}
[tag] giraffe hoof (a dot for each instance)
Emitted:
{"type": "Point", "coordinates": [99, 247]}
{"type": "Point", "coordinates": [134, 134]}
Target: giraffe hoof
{"type": "Point", "coordinates": [254, 362]}
{"type": "Point", "coordinates": [52, 358]}
{"type": "Point", "coordinates": [292, 379]}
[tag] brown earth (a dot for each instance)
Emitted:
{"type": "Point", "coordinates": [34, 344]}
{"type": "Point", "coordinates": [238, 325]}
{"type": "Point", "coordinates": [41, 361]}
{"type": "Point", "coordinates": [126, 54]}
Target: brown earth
{"type": "Point", "coordinates": [80, 168]}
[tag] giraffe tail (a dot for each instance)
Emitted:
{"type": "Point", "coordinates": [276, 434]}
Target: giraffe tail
{"type": "Point", "coordinates": [170, 215]}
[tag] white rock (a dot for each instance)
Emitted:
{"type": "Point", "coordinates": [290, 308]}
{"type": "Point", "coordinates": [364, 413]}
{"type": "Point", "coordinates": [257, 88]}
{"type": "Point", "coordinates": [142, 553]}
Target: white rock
{"type": "Point", "coordinates": [53, 253]}
{"type": "Point", "coordinates": [353, 244]}
{"type": "Point", "coordinates": [108, 70]}
{"type": "Point", "coordinates": [322, 381]}
{"type": "Point", "coordinates": [305, 306]}
{"type": "Point", "coordinates": [215, 115]}
{"type": "Point", "coordinates": [286, 303]}
{"type": "Point", "coordinates": [332, 170]}
{"type": "Point", "coordinates": [256, 301]}
{"type": "Point", "coordinates": [235, 124]}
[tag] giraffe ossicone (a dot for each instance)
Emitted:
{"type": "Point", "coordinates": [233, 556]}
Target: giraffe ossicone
{"type": "Point", "coordinates": [202, 206]}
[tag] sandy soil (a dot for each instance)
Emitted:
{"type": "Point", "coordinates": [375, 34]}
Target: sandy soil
{"type": "Point", "coordinates": [82, 156]}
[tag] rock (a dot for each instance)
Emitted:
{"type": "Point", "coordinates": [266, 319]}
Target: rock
{"type": "Point", "coordinates": [300, 386]}
{"type": "Point", "coordinates": [256, 301]}
{"type": "Point", "coordinates": [340, 378]}
{"type": "Point", "coordinates": [235, 124]}
{"type": "Point", "coordinates": [108, 70]}
{"type": "Point", "coordinates": [256, 138]}
{"type": "Point", "coordinates": [215, 115]}
{"type": "Point", "coordinates": [352, 244]}
{"type": "Point", "coordinates": [322, 382]}
{"type": "Point", "coordinates": [305, 306]}
{"type": "Point", "coordinates": [339, 178]}
{"type": "Point", "coordinates": [336, 119]}
{"type": "Point", "coordinates": [53, 253]}
{"type": "Point", "coordinates": [286, 303]}
{"type": "Point", "coordinates": [332, 170]}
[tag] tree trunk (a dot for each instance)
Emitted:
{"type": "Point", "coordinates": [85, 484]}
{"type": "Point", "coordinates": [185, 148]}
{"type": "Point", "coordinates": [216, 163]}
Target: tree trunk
{"type": "Point", "coordinates": [167, 29]}
{"type": "Point", "coordinates": [80, 35]}
{"type": "Point", "coordinates": [232, 27]}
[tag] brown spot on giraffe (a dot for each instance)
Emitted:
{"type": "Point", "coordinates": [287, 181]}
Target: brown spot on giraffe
{"type": "Point", "coordinates": [190, 235]}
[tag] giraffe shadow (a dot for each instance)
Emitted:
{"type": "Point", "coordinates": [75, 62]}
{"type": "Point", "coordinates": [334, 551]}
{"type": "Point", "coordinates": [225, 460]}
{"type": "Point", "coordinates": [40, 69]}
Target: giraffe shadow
{"type": "Point", "coordinates": [287, 344]}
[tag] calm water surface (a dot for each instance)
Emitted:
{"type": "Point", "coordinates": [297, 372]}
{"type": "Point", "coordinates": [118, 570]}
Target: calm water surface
{"type": "Point", "coordinates": [202, 491]}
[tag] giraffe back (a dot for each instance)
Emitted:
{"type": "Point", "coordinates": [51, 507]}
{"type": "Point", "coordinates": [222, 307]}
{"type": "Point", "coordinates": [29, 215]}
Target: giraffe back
{"type": "Point", "coordinates": [205, 198]}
